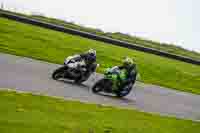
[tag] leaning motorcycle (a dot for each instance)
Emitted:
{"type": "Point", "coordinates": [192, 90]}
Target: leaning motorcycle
{"type": "Point", "coordinates": [75, 71]}
{"type": "Point", "coordinates": [112, 81]}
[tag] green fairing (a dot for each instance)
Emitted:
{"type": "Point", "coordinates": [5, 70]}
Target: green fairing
{"type": "Point", "coordinates": [116, 78]}
{"type": "Point", "coordinates": [123, 74]}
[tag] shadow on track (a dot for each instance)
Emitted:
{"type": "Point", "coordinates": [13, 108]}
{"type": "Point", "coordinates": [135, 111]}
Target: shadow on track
{"type": "Point", "coordinates": [124, 100]}
{"type": "Point", "coordinates": [113, 97]}
{"type": "Point", "coordinates": [74, 84]}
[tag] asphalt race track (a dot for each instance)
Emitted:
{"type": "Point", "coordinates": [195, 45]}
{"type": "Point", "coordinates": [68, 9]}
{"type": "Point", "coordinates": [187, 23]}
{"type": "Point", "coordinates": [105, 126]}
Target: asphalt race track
{"type": "Point", "coordinates": [24, 74]}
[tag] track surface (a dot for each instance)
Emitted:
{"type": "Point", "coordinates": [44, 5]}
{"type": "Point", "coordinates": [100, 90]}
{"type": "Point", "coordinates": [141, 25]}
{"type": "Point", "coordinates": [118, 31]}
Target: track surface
{"type": "Point", "coordinates": [24, 74]}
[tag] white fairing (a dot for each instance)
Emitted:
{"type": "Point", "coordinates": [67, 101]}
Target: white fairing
{"type": "Point", "coordinates": [67, 60]}
{"type": "Point", "coordinates": [76, 64]}
{"type": "Point", "coordinates": [115, 69]}
{"type": "Point", "coordinates": [70, 58]}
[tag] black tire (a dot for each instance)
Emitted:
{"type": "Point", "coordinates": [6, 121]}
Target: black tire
{"type": "Point", "coordinates": [97, 87]}
{"type": "Point", "coordinates": [58, 73]}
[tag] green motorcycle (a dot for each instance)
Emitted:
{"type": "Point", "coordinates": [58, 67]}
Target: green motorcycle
{"type": "Point", "coordinates": [112, 81]}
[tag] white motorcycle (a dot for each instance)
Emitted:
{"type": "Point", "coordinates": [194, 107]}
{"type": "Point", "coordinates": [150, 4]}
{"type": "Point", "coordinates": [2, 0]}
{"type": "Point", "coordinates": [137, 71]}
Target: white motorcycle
{"type": "Point", "coordinates": [78, 71]}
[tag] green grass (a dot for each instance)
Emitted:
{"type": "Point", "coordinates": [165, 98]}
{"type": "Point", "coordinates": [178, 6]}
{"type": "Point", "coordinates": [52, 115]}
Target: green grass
{"type": "Point", "coordinates": [39, 43]}
{"type": "Point", "coordinates": [171, 48]}
{"type": "Point", "coordinates": [28, 113]}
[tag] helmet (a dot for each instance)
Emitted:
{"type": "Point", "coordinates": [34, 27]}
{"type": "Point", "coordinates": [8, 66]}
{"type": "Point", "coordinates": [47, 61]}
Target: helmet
{"type": "Point", "coordinates": [92, 52]}
{"type": "Point", "coordinates": [91, 56]}
{"type": "Point", "coordinates": [127, 62]}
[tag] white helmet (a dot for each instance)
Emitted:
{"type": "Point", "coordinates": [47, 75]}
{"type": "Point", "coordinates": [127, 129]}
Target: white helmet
{"type": "Point", "coordinates": [127, 62]}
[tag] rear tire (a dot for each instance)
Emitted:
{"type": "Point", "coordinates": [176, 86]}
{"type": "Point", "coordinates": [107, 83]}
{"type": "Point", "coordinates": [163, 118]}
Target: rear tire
{"type": "Point", "coordinates": [97, 86]}
{"type": "Point", "coordinates": [58, 73]}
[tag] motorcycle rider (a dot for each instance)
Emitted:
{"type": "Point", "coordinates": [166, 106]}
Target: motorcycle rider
{"type": "Point", "coordinates": [88, 59]}
{"type": "Point", "coordinates": [130, 71]}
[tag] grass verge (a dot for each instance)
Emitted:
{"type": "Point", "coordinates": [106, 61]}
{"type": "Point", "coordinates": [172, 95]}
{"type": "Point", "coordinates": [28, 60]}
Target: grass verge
{"type": "Point", "coordinates": [171, 48]}
{"type": "Point", "coordinates": [39, 43]}
{"type": "Point", "coordinates": [28, 113]}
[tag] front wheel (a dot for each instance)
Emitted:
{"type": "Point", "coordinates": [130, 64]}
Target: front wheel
{"type": "Point", "coordinates": [58, 73]}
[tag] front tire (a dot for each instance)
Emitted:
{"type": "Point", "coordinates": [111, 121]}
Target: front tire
{"type": "Point", "coordinates": [58, 73]}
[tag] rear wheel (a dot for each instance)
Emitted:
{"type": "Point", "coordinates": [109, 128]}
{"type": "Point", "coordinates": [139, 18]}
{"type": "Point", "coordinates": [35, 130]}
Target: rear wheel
{"type": "Point", "coordinates": [98, 86]}
{"type": "Point", "coordinates": [58, 73]}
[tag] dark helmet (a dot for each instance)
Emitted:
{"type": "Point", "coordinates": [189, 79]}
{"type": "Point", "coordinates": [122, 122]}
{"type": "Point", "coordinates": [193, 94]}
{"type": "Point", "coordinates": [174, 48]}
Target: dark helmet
{"type": "Point", "coordinates": [91, 56]}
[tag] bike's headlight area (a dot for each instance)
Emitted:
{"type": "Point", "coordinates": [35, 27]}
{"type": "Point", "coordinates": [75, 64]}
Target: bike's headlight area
{"type": "Point", "coordinates": [107, 69]}
{"type": "Point", "coordinates": [66, 61]}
